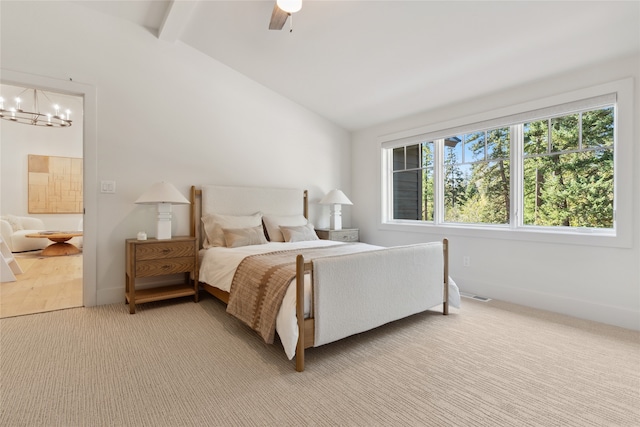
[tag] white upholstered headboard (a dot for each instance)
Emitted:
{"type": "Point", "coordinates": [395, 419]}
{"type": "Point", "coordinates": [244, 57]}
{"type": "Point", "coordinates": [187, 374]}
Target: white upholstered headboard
{"type": "Point", "coordinates": [249, 200]}
{"type": "Point", "coordinates": [231, 200]}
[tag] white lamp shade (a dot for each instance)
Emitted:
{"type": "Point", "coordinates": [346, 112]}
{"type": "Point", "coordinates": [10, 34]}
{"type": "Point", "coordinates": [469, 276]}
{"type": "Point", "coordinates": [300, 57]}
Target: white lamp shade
{"type": "Point", "coordinates": [290, 6]}
{"type": "Point", "coordinates": [335, 197]}
{"type": "Point", "coordinates": [162, 192]}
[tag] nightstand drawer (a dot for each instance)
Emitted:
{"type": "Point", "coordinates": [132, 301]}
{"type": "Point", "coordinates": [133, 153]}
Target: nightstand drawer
{"type": "Point", "coordinates": [162, 250]}
{"type": "Point", "coordinates": [344, 236]}
{"type": "Point", "coordinates": [160, 267]}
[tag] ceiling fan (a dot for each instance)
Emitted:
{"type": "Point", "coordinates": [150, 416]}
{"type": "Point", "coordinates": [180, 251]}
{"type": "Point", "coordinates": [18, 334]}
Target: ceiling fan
{"type": "Point", "coordinates": [283, 9]}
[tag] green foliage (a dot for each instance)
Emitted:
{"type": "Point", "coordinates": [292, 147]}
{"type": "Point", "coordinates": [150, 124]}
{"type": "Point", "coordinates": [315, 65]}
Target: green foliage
{"type": "Point", "coordinates": [568, 174]}
{"type": "Point", "coordinates": [566, 185]}
{"type": "Point", "coordinates": [428, 197]}
{"type": "Point", "coordinates": [455, 184]}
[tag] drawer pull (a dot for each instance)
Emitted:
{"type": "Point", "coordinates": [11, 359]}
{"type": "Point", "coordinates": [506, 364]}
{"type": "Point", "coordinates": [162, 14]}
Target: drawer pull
{"type": "Point", "coordinates": [166, 250]}
{"type": "Point", "coordinates": [166, 267]}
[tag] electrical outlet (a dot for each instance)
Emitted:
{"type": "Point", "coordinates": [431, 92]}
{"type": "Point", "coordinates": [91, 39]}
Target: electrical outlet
{"type": "Point", "coordinates": [466, 261]}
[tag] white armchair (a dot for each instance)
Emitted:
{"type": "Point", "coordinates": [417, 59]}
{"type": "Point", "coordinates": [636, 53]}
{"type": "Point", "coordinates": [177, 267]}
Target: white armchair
{"type": "Point", "coordinates": [15, 228]}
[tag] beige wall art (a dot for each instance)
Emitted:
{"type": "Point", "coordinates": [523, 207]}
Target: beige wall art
{"type": "Point", "coordinates": [55, 184]}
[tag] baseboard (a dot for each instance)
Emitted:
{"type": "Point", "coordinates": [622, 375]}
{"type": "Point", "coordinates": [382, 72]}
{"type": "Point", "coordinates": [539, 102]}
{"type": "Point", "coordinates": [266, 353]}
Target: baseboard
{"type": "Point", "coordinates": [110, 296]}
{"type": "Point", "coordinates": [603, 313]}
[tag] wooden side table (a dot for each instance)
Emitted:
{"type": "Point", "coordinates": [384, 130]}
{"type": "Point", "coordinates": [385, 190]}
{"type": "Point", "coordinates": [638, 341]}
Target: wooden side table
{"type": "Point", "coordinates": [344, 235]}
{"type": "Point", "coordinates": [60, 247]}
{"type": "Point", "coordinates": [150, 258]}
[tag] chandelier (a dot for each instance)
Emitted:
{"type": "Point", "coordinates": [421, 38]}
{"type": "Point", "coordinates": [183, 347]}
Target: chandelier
{"type": "Point", "coordinates": [19, 114]}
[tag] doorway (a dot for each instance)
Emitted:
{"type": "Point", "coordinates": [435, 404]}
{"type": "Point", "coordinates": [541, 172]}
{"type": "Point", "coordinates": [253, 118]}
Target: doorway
{"type": "Point", "coordinates": [83, 267]}
{"type": "Point", "coordinates": [42, 191]}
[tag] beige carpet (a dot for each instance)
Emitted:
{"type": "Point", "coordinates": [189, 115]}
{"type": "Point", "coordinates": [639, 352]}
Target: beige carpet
{"type": "Point", "coordinates": [177, 363]}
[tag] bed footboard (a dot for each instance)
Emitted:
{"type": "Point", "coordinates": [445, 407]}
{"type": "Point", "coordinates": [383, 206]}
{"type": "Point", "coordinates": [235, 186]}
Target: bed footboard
{"type": "Point", "coordinates": [307, 327]}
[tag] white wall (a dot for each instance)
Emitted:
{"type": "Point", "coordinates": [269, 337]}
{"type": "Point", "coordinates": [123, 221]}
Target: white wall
{"type": "Point", "coordinates": [17, 141]}
{"type": "Point", "coordinates": [590, 282]}
{"type": "Point", "coordinates": [166, 112]}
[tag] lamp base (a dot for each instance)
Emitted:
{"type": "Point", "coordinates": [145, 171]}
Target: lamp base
{"type": "Point", "coordinates": [163, 230]}
{"type": "Point", "coordinates": [335, 218]}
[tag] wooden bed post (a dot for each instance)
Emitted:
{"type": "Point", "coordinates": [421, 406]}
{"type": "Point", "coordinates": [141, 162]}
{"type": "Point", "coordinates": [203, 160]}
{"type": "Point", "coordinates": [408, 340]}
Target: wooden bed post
{"type": "Point", "coordinates": [445, 303]}
{"type": "Point", "coordinates": [305, 206]}
{"type": "Point", "coordinates": [300, 312]}
{"type": "Point", "coordinates": [192, 222]}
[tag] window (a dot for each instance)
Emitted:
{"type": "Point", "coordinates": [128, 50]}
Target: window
{"type": "Point", "coordinates": [550, 169]}
{"type": "Point", "coordinates": [477, 176]}
{"type": "Point", "coordinates": [413, 182]}
{"type": "Point", "coordinates": [568, 170]}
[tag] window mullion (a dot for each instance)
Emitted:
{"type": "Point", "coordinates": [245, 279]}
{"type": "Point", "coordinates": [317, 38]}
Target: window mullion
{"type": "Point", "coordinates": [517, 176]}
{"type": "Point", "coordinates": [387, 187]}
{"type": "Point", "coordinates": [438, 173]}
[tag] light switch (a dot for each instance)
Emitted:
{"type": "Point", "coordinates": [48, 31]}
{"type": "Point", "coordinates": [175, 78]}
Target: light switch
{"type": "Point", "coordinates": [107, 186]}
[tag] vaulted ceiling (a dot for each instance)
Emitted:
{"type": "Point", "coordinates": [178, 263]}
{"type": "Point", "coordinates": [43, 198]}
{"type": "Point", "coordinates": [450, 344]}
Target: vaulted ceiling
{"type": "Point", "coordinates": [359, 63]}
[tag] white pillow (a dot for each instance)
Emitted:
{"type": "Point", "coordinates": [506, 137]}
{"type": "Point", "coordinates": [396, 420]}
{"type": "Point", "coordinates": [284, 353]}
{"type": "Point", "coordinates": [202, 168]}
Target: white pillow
{"type": "Point", "coordinates": [274, 222]}
{"type": "Point", "coordinates": [215, 223]}
{"type": "Point", "coordinates": [236, 237]}
{"type": "Point", "coordinates": [299, 233]}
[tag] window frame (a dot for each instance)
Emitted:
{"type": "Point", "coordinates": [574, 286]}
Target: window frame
{"type": "Point", "coordinates": [618, 236]}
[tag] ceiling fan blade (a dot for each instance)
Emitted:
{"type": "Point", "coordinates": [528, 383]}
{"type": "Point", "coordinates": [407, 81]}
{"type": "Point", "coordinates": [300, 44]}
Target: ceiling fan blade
{"type": "Point", "coordinates": [278, 18]}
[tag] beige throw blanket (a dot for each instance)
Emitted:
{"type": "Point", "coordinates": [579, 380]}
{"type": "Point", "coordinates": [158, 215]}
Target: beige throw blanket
{"type": "Point", "coordinates": [261, 281]}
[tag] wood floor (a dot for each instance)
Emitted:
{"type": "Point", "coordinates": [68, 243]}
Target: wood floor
{"type": "Point", "coordinates": [47, 284]}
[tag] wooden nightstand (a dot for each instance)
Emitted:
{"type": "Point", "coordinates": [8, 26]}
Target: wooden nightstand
{"type": "Point", "coordinates": [148, 258]}
{"type": "Point", "coordinates": [344, 235]}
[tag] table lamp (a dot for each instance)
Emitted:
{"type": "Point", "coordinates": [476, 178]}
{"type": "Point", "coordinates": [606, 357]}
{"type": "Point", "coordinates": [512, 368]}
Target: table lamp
{"type": "Point", "coordinates": [336, 199]}
{"type": "Point", "coordinates": [164, 195]}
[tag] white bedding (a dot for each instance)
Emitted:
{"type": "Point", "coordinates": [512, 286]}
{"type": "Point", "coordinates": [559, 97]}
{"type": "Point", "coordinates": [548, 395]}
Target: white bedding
{"type": "Point", "coordinates": [218, 266]}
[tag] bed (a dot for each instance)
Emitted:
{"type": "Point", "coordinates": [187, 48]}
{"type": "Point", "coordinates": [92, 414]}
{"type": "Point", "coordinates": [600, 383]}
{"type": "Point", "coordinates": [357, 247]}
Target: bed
{"type": "Point", "coordinates": [262, 258]}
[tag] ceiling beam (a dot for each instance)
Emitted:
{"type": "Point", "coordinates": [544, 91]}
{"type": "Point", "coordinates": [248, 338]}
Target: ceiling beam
{"type": "Point", "coordinates": [175, 19]}
{"type": "Point", "coordinates": [278, 18]}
